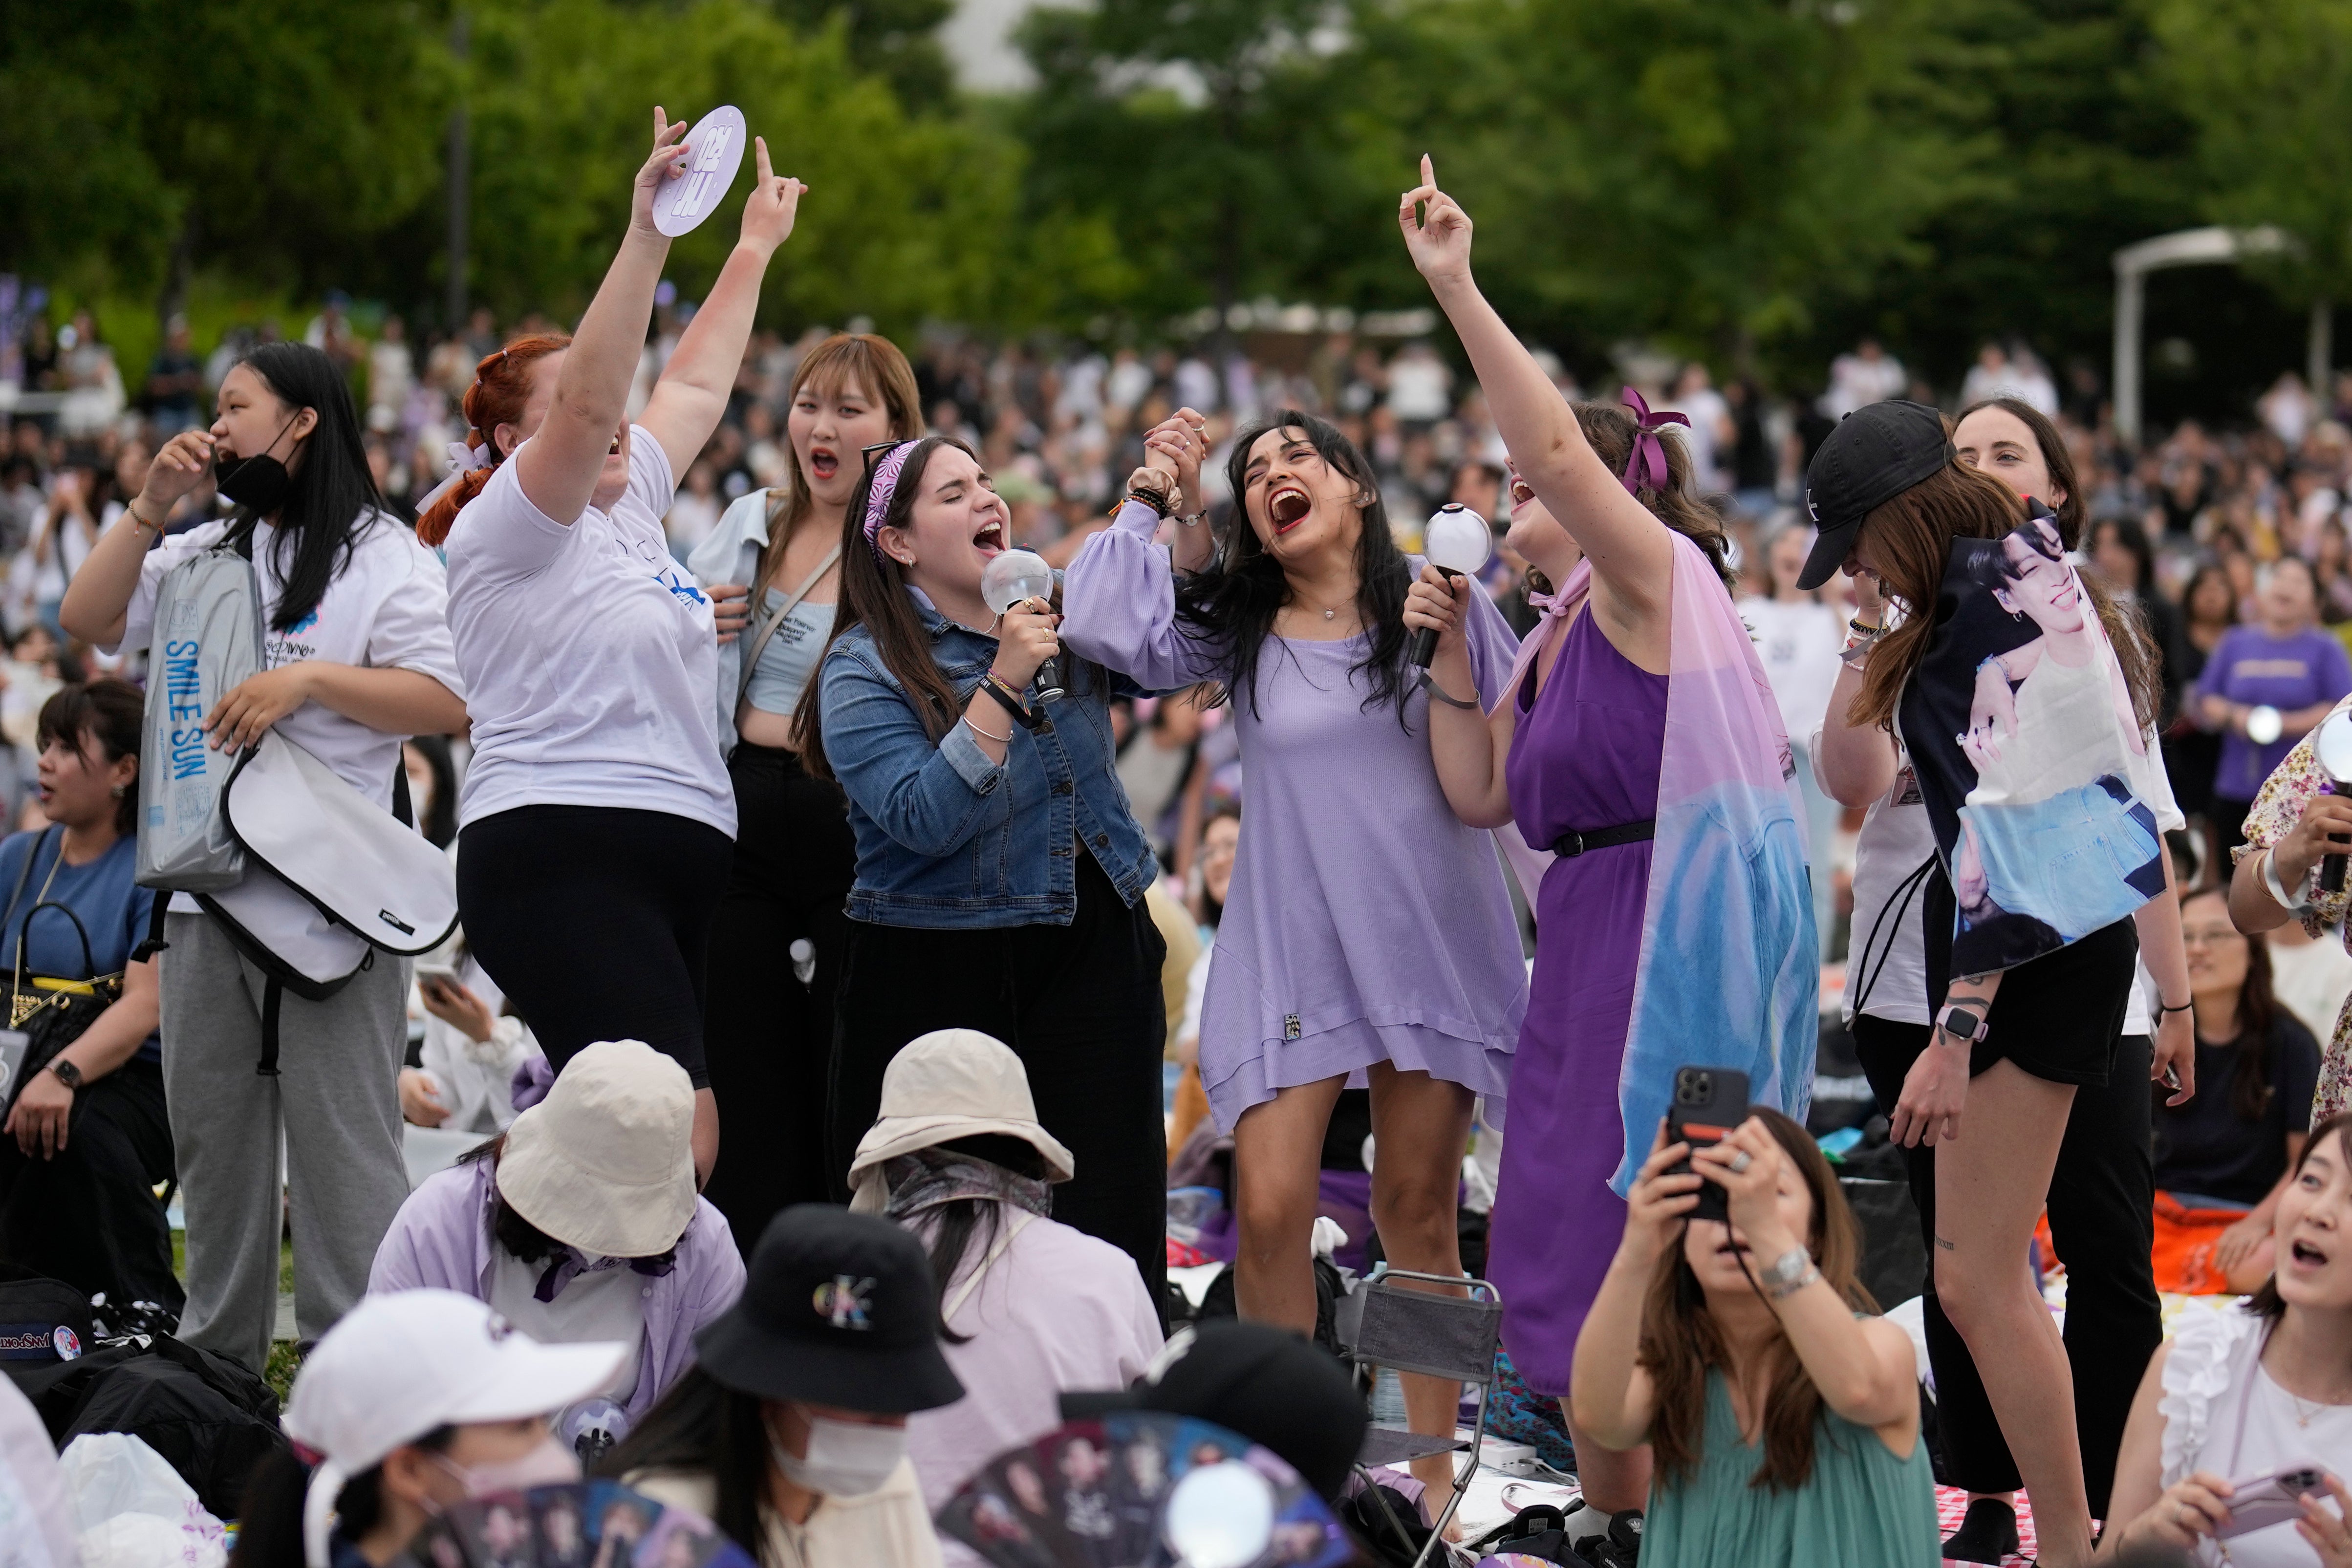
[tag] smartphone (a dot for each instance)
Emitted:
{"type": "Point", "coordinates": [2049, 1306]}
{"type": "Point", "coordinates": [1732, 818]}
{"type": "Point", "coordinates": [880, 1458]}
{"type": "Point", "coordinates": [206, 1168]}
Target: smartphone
{"type": "Point", "coordinates": [444, 973]}
{"type": "Point", "coordinates": [1708, 1103]}
{"type": "Point", "coordinates": [2261, 1501]}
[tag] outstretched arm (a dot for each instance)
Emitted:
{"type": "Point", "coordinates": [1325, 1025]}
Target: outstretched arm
{"type": "Point", "coordinates": [559, 467]}
{"type": "Point", "coordinates": [692, 393]}
{"type": "Point", "coordinates": [1631, 556]}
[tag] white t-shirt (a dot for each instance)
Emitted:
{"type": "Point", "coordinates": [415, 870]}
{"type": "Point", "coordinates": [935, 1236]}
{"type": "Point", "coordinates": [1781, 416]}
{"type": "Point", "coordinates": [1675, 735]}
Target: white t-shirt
{"type": "Point", "coordinates": [590, 654]}
{"type": "Point", "coordinates": [2223, 1413]}
{"type": "Point", "coordinates": [1798, 642]}
{"type": "Point", "coordinates": [387, 609]}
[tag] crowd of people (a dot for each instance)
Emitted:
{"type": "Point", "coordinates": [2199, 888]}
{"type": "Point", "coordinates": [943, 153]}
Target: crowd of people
{"type": "Point", "coordinates": [847, 957]}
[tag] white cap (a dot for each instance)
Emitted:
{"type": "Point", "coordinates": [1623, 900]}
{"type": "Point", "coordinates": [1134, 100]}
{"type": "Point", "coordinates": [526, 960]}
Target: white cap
{"type": "Point", "coordinates": [401, 1365]}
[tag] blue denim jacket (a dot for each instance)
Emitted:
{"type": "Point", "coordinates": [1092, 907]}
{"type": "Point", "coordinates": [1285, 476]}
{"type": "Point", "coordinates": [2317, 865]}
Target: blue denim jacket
{"type": "Point", "coordinates": [948, 840]}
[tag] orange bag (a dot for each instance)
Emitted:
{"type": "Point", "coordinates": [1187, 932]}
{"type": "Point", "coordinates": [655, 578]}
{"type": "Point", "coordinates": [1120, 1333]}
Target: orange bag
{"type": "Point", "coordinates": [2185, 1238]}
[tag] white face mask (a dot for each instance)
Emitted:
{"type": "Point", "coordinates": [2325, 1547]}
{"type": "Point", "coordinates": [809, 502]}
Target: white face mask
{"type": "Point", "coordinates": [846, 1459]}
{"type": "Point", "coordinates": [549, 1464]}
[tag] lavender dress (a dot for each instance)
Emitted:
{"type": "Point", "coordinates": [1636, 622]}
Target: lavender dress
{"type": "Point", "coordinates": [1586, 757]}
{"type": "Point", "coordinates": [1365, 923]}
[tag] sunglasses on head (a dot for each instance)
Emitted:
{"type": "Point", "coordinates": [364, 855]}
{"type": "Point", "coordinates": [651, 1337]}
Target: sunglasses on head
{"type": "Point", "coordinates": [874, 452]}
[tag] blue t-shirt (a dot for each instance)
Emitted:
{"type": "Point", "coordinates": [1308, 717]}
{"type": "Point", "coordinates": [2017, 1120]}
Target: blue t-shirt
{"type": "Point", "coordinates": [113, 908]}
{"type": "Point", "coordinates": [2253, 667]}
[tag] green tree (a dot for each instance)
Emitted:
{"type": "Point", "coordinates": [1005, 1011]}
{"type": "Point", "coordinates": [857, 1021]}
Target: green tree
{"type": "Point", "coordinates": [897, 39]}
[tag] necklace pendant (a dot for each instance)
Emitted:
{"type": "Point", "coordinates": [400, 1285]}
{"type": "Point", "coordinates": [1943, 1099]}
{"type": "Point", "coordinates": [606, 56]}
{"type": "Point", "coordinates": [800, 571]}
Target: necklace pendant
{"type": "Point", "coordinates": [1328, 614]}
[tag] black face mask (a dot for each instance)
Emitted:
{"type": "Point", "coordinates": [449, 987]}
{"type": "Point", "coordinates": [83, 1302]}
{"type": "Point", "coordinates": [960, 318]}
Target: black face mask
{"type": "Point", "coordinates": [258, 483]}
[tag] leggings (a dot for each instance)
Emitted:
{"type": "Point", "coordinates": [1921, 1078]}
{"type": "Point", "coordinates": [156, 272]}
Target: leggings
{"type": "Point", "coordinates": [1079, 1004]}
{"type": "Point", "coordinates": [593, 921]}
{"type": "Point", "coordinates": [770, 1034]}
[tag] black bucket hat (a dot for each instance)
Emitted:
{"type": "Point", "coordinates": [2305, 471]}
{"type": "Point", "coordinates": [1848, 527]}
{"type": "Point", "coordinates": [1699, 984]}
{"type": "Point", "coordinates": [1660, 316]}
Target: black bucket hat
{"type": "Point", "coordinates": [1875, 454]}
{"type": "Point", "coordinates": [837, 1309]}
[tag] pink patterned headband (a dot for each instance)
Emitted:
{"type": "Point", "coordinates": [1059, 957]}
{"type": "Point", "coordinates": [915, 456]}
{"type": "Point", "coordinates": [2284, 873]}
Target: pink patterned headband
{"type": "Point", "coordinates": [1646, 465]}
{"type": "Point", "coordinates": [884, 485]}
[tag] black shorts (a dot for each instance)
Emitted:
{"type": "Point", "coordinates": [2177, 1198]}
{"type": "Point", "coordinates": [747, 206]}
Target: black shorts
{"type": "Point", "coordinates": [2059, 1016]}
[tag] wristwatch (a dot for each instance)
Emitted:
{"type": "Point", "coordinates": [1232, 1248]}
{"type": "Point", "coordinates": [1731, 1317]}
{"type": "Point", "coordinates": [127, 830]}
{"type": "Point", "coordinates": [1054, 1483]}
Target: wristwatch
{"type": "Point", "coordinates": [1961, 1023]}
{"type": "Point", "coordinates": [1788, 1273]}
{"type": "Point", "coordinates": [67, 1073]}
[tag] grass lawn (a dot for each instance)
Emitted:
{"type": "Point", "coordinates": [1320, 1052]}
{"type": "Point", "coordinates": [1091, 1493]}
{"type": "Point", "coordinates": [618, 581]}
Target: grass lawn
{"type": "Point", "coordinates": [280, 1374]}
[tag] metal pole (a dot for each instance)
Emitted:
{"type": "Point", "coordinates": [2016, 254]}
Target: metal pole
{"type": "Point", "coordinates": [2319, 361]}
{"type": "Point", "coordinates": [460, 166]}
{"type": "Point", "coordinates": [2130, 283]}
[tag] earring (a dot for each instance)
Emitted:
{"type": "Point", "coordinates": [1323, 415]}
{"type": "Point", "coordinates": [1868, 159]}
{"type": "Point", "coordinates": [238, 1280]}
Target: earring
{"type": "Point", "coordinates": [118, 792]}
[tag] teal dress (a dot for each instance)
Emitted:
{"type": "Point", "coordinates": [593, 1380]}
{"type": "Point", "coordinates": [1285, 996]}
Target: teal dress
{"type": "Point", "coordinates": [1863, 1508]}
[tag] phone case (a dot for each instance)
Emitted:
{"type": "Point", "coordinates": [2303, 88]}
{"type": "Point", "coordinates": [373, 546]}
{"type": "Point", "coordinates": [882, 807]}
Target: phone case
{"type": "Point", "coordinates": [1707, 1104]}
{"type": "Point", "coordinates": [2264, 1500]}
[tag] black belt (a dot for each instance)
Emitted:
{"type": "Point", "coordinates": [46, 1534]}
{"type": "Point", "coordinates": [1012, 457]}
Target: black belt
{"type": "Point", "coordinates": [1572, 843]}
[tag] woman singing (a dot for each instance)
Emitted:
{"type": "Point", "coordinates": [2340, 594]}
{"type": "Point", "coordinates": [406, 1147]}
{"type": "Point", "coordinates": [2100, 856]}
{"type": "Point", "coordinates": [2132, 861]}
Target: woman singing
{"type": "Point", "coordinates": [1636, 730]}
{"type": "Point", "coordinates": [1000, 873]}
{"type": "Point", "coordinates": [1366, 931]}
{"type": "Point", "coordinates": [597, 815]}
{"type": "Point", "coordinates": [770, 1033]}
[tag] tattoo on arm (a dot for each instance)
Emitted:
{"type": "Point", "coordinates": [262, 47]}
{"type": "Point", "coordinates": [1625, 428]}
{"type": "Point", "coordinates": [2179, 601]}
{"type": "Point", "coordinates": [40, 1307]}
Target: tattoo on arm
{"type": "Point", "coordinates": [1946, 1246]}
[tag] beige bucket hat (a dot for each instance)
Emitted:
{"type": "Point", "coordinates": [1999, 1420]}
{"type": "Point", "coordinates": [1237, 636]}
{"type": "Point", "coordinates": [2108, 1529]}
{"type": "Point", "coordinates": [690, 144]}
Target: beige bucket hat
{"type": "Point", "coordinates": [951, 1083]}
{"type": "Point", "coordinates": [605, 1163]}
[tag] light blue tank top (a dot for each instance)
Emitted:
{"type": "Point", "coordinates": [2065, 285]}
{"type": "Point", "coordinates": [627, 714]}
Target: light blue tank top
{"type": "Point", "coordinates": [789, 660]}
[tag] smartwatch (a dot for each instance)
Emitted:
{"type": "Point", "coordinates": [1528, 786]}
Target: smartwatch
{"type": "Point", "coordinates": [67, 1073]}
{"type": "Point", "coordinates": [1961, 1023]}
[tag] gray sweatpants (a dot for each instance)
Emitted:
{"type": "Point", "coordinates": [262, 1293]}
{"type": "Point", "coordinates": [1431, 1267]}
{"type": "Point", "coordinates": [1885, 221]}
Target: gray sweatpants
{"type": "Point", "coordinates": [336, 1101]}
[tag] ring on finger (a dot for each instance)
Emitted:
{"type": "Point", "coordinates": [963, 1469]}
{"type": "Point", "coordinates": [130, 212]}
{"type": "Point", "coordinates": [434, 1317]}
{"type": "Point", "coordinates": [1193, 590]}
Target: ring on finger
{"type": "Point", "coordinates": [1740, 1161]}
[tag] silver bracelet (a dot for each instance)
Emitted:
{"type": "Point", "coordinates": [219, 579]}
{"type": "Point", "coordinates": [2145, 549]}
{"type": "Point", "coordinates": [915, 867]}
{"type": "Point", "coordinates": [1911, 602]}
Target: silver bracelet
{"type": "Point", "coordinates": [1429, 686]}
{"type": "Point", "coordinates": [1782, 1292]}
{"type": "Point", "coordinates": [2272, 886]}
{"type": "Point", "coordinates": [1004, 739]}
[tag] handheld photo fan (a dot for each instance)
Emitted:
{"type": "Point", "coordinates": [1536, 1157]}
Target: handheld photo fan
{"type": "Point", "coordinates": [710, 156]}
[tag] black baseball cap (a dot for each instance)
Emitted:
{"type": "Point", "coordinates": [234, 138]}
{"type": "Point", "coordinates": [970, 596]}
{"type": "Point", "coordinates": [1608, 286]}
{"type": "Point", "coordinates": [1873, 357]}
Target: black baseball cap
{"type": "Point", "coordinates": [1273, 1387]}
{"type": "Point", "coordinates": [837, 1309]}
{"type": "Point", "coordinates": [1875, 454]}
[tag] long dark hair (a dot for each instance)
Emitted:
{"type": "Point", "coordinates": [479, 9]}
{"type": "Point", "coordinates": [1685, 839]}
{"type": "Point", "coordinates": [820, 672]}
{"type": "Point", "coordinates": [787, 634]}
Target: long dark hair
{"type": "Point", "coordinates": [1681, 1343]}
{"type": "Point", "coordinates": [112, 711]}
{"type": "Point", "coordinates": [1234, 601]}
{"type": "Point", "coordinates": [2054, 457]}
{"type": "Point", "coordinates": [2254, 1052]}
{"type": "Point", "coordinates": [874, 595]}
{"type": "Point", "coordinates": [270, 1532]}
{"type": "Point", "coordinates": [512, 1231]}
{"type": "Point", "coordinates": [1611, 430]}
{"type": "Point", "coordinates": [333, 489]}
{"type": "Point", "coordinates": [703, 1425]}
{"type": "Point", "coordinates": [963, 1220]}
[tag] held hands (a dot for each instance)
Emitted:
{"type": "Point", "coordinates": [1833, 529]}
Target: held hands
{"type": "Point", "coordinates": [768, 216]}
{"type": "Point", "coordinates": [242, 716]}
{"type": "Point", "coordinates": [1439, 242]}
{"type": "Point", "coordinates": [1933, 1093]}
{"type": "Point", "coordinates": [731, 609]}
{"type": "Point", "coordinates": [2323, 828]}
{"type": "Point", "coordinates": [667, 159]}
{"type": "Point", "coordinates": [1659, 1204]}
{"type": "Point", "coordinates": [177, 469]}
{"type": "Point", "coordinates": [40, 1120]}
{"type": "Point", "coordinates": [1178, 445]}
{"type": "Point", "coordinates": [1024, 641]}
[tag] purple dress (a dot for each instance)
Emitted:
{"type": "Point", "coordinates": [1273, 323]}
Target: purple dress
{"type": "Point", "coordinates": [1585, 756]}
{"type": "Point", "coordinates": [1365, 922]}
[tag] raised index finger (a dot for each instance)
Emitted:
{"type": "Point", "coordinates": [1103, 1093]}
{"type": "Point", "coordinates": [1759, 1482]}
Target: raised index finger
{"type": "Point", "coordinates": [1428, 170]}
{"type": "Point", "coordinates": [759, 153]}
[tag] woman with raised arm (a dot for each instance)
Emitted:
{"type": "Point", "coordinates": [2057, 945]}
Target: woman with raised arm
{"type": "Point", "coordinates": [597, 818]}
{"type": "Point", "coordinates": [1636, 730]}
{"type": "Point", "coordinates": [355, 639]}
{"type": "Point", "coordinates": [1366, 931]}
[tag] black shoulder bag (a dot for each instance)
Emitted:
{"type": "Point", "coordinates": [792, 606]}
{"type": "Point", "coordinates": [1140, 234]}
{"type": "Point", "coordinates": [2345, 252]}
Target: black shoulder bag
{"type": "Point", "coordinates": [51, 1012]}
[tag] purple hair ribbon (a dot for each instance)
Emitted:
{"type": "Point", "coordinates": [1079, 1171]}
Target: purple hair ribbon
{"type": "Point", "coordinates": [1647, 464]}
{"type": "Point", "coordinates": [884, 485]}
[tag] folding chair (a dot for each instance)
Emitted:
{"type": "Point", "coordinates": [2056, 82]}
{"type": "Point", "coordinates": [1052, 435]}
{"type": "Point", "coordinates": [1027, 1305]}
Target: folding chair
{"type": "Point", "coordinates": [1447, 1336]}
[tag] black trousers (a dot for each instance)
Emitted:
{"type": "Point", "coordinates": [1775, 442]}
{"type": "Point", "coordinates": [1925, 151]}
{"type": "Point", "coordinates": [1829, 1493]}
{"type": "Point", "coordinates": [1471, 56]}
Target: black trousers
{"type": "Point", "coordinates": [769, 1039]}
{"type": "Point", "coordinates": [1079, 1004]}
{"type": "Point", "coordinates": [594, 921]}
{"type": "Point", "coordinates": [89, 1216]}
{"type": "Point", "coordinates": [2102, 1221]}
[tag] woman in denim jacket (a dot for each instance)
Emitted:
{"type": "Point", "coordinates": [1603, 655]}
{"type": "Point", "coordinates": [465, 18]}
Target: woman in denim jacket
{"type": "Point", "coordinates": [1000, 873]}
